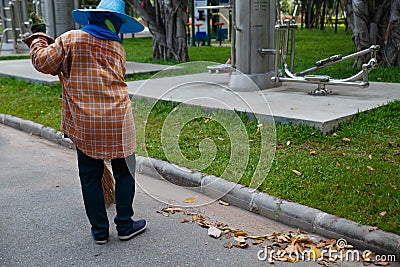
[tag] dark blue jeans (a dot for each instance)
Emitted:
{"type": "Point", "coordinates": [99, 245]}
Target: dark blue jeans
{"type": "Point", "coordinates": [90, 173]}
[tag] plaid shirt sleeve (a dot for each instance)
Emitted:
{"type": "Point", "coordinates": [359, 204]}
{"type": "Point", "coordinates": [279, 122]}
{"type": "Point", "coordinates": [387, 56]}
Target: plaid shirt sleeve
{"type": "Point", "coordinates": [47, 58]}
{"type": "Point", "coordinates": [96, 109]}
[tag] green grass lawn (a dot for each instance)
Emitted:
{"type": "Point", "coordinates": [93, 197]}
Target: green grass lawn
{"type": "Point", "coordinates": [353, 173]}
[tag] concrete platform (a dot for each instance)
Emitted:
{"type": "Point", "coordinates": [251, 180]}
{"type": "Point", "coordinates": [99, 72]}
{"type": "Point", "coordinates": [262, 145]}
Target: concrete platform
{"type": "Point", "coordinates": [23, 69]}
{"type": "Point", "coordinates": [289, 103]}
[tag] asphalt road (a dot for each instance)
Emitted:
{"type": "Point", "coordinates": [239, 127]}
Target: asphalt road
{"type": "Point", "coordinates": [43, 222]}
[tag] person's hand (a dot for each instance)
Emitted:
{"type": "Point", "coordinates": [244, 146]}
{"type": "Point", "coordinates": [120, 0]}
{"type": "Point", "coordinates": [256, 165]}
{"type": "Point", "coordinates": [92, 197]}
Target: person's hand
{"type": "Point", "coordinates": [38, 29]}
{"type": "Point", "coordinates": [38, 24]}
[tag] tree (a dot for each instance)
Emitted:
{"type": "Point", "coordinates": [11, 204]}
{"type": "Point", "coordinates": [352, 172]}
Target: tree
{"type": "Point", "coordinates": [369, 21]}
{"type": "Point", "coordinates": [392, 41]}
{"type": "Point", "coordinates": [166, 20]}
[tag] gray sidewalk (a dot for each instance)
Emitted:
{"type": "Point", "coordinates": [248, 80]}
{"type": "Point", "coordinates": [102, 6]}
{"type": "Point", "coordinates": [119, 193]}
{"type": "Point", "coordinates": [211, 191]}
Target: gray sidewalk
{"type": "Point", "coordinates": [23, 69]}
{"type": "Point", "coordinates": [289, 103]}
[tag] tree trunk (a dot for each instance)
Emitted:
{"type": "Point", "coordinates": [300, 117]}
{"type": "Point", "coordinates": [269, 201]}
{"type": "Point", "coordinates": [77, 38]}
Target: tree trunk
{"type": "Point", "coordinates": [310, 4]}
{"type": "Point", "coordinates": [369, 22]}
{"type": "Point", "coordinates": [323, 16]}
{"type": "Point", "coordinates": [337, 15]}
{"type": "Point", "coordinates": [392, 40]}
{"type": "Point", "coordinates": [350, 15]}
{"type": "Point", "coordinates": [166, 20]}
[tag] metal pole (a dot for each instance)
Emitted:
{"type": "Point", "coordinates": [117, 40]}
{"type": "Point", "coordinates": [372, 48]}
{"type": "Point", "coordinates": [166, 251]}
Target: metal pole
{"type": "Point", "coordinates": [293, 38]}
{"type": "Point", "coordinates": [193, 19]}
{"type": "Point", "coordinates": [277, 53]}
{"type": "Point", "coordinates": [14, 26]}
{"type": "Point", "coordinates": [208, 25]}
{"type": "Point", "coordinates": [233, 35]}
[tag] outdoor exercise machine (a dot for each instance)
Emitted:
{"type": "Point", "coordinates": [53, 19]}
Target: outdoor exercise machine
{"type": "Point", "coordinates": [15, 22]}
{"type": "Point", "coordinates": [207, 21]}
{"type": "Point", "coordinates": [262, 46]}
{"type": "Point", "coordinates": [284, 73]}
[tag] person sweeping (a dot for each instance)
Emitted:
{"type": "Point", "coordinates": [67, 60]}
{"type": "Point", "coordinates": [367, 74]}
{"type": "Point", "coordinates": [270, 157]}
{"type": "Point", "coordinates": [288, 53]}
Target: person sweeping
{"type": "Point", "coordinates": [96, 108]}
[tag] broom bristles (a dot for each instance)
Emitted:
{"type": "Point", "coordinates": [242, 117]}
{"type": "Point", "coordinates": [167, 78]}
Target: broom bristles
{"type": "Point", "coordinates": [107, 183]}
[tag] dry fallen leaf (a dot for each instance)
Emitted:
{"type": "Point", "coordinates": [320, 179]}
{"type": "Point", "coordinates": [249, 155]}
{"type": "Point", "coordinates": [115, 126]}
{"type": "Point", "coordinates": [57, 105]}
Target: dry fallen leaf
{"type": "Point", "coordinates": [221, 139]}
{"type": "Point", "coordinates": [288, 143]}
{"type": "Point", "coordinates": [383, 213]}
{"type": "Point", "coordinates": [223, 203]}
{"type": "Point", "coordinates": [240, 239]}
{"type": "Point", "coordinates": [241, 245]}
{"type": "Point", "coordinates": [257, 242]}
{"type": "Point", "coordinates": [370, 156]}
{"type": "Point", "coordinates": [313, 153]}
{"type": "Point", "coordinates": [366, 262]}
{"type": "Point", "coordinates": [299, 231]}
{"type": "Point", "coordinates": [370, 168]}
{"type": "Point", "coordinates": [204, 224]}
{"type": "Point", "coordinates": [299, 248]}
{"type": "Point", "coordinates": [170, 210]}
{"type": "Point", "coordinates": [258, 129]}
{"type": "Point", "coordinates": [297, 172]}
{"type": "Point", "coordinates": [315, 253]}
{"type": "Point", "coordinates": [239, 233]}
{"type": "Point", "coordinates": [190, 200]}
{"type": "Point", "coordinates": [335, 134]}
{"type": "Point", "coordinates": [214, 232]}
{"type": "Point", "coordinates": [381, 263]}
{"type": "Point", "coordinates": [323, 263]}
{"type": "Point", "coordinates": [228, 245]}
{"type": "Point", "coordinates": [373, 228]}
{"type": "Point", "coordinates": [283, 238]}
{"type": "Point", "coordinates": [290, 249]}
{"type": "Point", "coordinates": [207, 120]}
{"type": "Point", "coordinates": [291, 259]}
{"type": "Point", "coordinates": [367, 255]}
{"type": "Point", "coordinates": [345, 139]}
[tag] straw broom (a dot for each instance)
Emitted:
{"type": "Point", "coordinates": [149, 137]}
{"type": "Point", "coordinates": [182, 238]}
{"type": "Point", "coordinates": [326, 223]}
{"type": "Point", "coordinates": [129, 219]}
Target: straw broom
{"type": "Point", "coordinates": [107, 183]}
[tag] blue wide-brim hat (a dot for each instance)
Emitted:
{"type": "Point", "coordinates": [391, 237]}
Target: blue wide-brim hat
{"type": "Point", "coordinates": [117, 7]}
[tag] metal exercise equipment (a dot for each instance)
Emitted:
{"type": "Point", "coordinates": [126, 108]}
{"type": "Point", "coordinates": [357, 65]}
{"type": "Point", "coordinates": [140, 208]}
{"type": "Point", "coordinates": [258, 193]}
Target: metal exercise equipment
{"type": "Point", "coordinates": [283, 73]}
{"type": "Point", "coordinates": [15, 23]}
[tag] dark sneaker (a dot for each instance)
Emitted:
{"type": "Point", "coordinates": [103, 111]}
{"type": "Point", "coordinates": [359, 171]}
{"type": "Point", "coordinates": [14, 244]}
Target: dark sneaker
{"type": "Point", "coordinates": [101, 242]}
{"type": "Point", "coordinates": [138, 227]}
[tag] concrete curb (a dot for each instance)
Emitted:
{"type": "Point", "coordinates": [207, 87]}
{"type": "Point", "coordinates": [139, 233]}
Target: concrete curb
{"type": "Point", "coordinates": [36, 129]}
{"type": "Point", "coordinates": [290, 213]}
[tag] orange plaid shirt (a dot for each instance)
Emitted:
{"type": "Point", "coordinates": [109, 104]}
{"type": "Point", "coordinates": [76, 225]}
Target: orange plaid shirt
{"type": "Point", "coordinates": [96, 108]}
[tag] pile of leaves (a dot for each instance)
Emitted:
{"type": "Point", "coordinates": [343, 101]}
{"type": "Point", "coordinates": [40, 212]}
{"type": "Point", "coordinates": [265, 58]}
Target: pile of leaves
{"type": "Point", "coordinates": [286, 247]}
